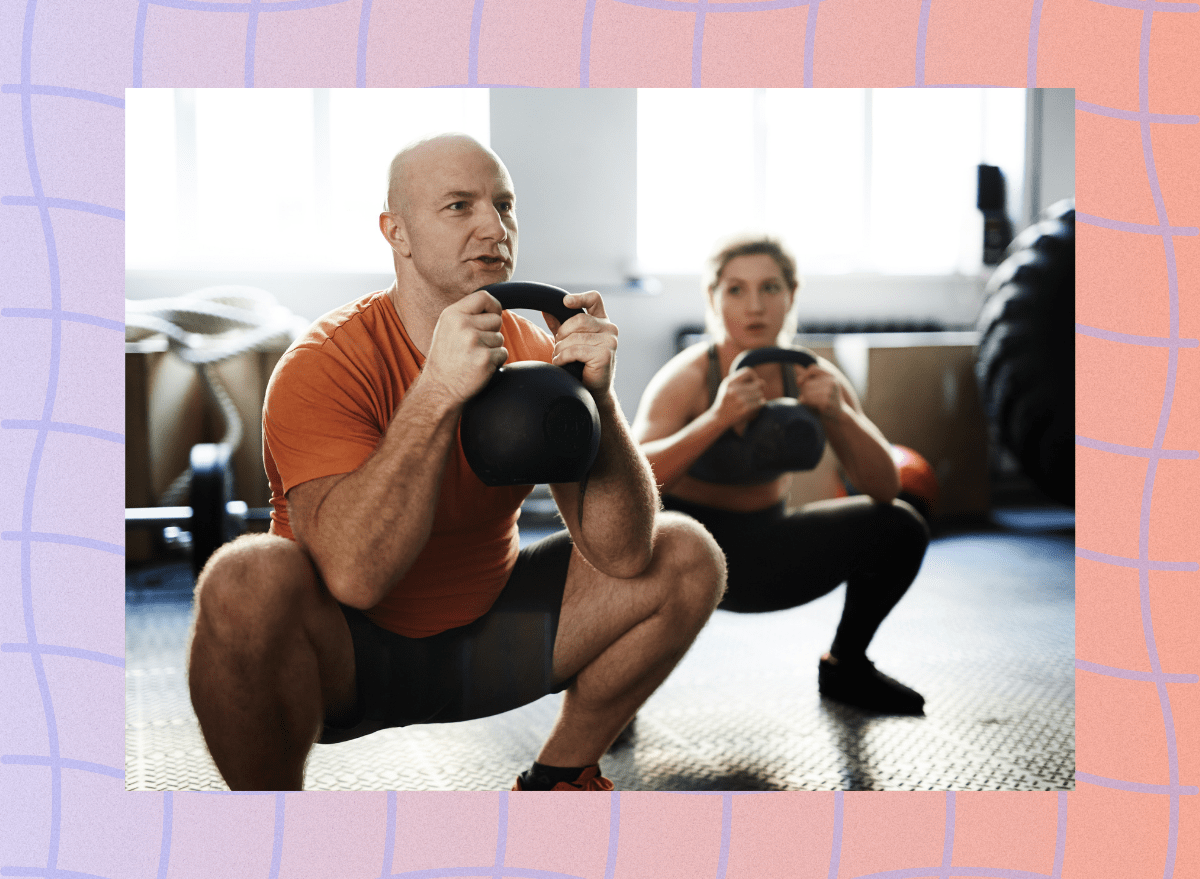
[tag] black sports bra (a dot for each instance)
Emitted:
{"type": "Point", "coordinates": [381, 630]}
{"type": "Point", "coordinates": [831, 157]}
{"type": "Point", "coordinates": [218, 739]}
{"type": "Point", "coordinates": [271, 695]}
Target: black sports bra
{"type": "Point", "coordinates": [729, 460]}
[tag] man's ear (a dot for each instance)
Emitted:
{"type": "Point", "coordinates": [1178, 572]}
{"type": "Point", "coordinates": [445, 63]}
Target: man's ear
{"type": "Point", "coordinates": [394, 233]}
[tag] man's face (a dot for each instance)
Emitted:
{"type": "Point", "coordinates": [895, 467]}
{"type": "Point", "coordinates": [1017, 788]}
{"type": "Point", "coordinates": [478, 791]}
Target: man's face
{"type": "Point", "coordinates": [459, 218]}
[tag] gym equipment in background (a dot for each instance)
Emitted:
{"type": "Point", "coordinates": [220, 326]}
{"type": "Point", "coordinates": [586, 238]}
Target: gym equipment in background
{"type": "Point", "coordinates": [533, 422]}
{"type": "Point", "coordinates": [784, 436]}
{"type": "Point", "coordinates": [1025, 365]}
{"type": "Point", "coordinates": [992, 202]}
{"type": "Point", "coordinates": [207, 327]}
{"type": "Point", "coordinates": [204, 328]}
{"type": "Point", "coordinates": [214, 517]}
{"type": "Point", "coordinates": [918, 482]}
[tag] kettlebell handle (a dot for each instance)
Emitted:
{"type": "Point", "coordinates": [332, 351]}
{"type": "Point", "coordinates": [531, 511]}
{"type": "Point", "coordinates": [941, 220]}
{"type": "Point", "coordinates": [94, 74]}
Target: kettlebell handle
{"type": "Point", "coordinates": [537, 297]}
{"type": "Point", "coordinates": [755, 356]}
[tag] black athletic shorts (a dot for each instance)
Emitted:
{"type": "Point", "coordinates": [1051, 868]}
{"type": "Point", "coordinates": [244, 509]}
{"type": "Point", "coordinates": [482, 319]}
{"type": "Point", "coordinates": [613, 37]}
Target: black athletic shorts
{"type": "Point", "coordinates": [499, 662]}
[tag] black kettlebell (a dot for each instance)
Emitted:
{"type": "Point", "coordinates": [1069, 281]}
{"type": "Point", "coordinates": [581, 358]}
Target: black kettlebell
{"type": "Point", "coordinates": [533, 422]}
{"type": "Point", "coordinates": [786, 435]}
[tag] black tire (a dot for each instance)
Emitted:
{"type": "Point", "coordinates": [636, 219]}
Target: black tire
{"type": "Point", "coordinates": [1025, 363]}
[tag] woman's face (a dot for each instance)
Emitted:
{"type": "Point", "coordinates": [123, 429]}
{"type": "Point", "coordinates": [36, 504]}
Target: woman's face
{"type": "Point", "coordinates": [752, 300]}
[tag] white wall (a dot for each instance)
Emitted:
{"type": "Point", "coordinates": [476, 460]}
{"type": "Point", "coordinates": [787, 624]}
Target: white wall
{"type": "Point", "coordinates": [1058, 145]}
{"type": "Point", "coordinates": [1049, 151]}
{"type": "Point", "coordinates": [572, 155]}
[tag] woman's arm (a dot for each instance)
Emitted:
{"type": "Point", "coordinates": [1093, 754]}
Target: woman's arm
{"type": "Point", "coordinates": [671, 432]}
{"type": "Point", "coordinates": [865, 453]}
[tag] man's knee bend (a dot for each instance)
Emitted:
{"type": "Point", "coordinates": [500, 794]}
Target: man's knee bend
{"type": "Point", "coordinates": [253, 577]}
{"type": "Point", "coordinates": [692, 562]}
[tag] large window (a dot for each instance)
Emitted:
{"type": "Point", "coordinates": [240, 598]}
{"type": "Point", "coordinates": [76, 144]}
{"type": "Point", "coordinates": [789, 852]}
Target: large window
{"type": "Point", "coordinates": [273, 179]}
{"type": "Point", "coordinates": [854, 180]}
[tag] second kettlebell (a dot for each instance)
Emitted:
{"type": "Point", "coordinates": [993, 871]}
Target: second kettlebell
{"type": "Point", "coordinates": [786, 435]}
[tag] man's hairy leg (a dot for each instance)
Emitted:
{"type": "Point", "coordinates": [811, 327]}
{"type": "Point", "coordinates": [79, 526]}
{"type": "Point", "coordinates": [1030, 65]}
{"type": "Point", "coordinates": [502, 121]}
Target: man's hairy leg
{"type": "Point", "coordinates": [621, 638]}
{"type": "Point", "coordinates": [270, 654]}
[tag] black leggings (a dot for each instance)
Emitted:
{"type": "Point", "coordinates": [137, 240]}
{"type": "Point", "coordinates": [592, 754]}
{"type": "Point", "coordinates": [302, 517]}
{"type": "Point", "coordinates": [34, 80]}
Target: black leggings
{"type": "Point", "coordinates": [778, 560]}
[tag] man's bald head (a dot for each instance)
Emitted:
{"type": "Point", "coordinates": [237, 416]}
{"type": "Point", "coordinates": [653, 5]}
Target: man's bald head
{"type": "Point", "coordinates": [420, 154]}
{"type": "Point", "coordinates": [450, 217]}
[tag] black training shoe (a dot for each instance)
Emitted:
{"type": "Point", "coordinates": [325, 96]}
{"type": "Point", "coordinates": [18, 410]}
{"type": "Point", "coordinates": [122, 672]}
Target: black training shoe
{"type": "Point", "coordinates": [857, 682]}
{"type": "Point", "coordinates": [589, 779]}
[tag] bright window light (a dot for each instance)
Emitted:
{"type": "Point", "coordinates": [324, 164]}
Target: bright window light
{"type": "Point", "coordinates": [814, 187]}
{"type": "Point", "coordinates": [254, 167]}
{"type": "Point", "coordinates": [273, 179]}
{"type": "Point", "coordinates": [695, 173]}
{"type": "Point", "coordinates": [853, 180]}
{"type": "Point", "coordinates": [151, 192]}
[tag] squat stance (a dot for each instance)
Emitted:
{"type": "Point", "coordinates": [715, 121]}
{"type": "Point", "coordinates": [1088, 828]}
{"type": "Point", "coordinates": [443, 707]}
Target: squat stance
{"type": "Point", "coordinates": [874, 543]}
{"type": "Point", "coordinates": [391, 588]}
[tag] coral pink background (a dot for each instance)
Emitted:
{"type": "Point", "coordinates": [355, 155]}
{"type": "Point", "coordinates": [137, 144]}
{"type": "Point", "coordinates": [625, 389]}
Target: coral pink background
{"type": "Point", "coordinates": [64, 66]}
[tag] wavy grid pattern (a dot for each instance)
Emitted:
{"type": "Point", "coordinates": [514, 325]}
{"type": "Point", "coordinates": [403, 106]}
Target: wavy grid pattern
{"type": "Point", "coordinates": [1156, 452]}
{"type": "Point", "coordinates": [53, 814]}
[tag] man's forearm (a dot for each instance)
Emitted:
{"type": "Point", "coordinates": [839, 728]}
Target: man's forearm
{"type": "Point", "coordinates": [617, 527]}
{"type": "Point", "coordinates": [370, 526]}
{"type": "Point", "coordinates": [671, 456]}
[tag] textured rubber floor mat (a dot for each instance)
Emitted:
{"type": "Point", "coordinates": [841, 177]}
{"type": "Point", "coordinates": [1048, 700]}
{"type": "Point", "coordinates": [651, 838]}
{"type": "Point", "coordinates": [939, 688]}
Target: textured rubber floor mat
{"type": "Point", "coordinates": [986, 634]}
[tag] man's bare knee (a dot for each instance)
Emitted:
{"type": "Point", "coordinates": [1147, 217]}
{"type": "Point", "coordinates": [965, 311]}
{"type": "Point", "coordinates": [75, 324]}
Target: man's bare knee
{"type": "Point", "coordinates": [257, 579]}
{"type": "Point", "coordinates": [690, 562]}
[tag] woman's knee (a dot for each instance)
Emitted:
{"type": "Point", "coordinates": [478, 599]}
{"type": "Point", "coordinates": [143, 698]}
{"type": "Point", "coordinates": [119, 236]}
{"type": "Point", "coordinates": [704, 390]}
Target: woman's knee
{"type": "Point", "coordinates": [900, 536]}
{"type": "Point", "coordinates": [908, 526]}
{"type": "Point", "coordinates": [690, 561]}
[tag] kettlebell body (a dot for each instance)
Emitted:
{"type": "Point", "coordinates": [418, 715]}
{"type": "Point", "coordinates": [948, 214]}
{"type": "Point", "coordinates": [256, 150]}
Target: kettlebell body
{"type": "Point", "coordinates": [784, 436]}
{"type": "Point", "coordinates": [533, 422]}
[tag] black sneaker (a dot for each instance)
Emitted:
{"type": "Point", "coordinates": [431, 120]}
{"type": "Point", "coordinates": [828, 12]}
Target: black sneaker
{"type": "Point", "coordinates": [589, 779]}
{"type": "Point", "coordinates": [857, 682]}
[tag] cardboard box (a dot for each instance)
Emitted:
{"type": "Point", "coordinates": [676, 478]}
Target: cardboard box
{"type": "Point", "coordinates": [919, 389]}
{"type": "Point", "coordinates": [168, 409]}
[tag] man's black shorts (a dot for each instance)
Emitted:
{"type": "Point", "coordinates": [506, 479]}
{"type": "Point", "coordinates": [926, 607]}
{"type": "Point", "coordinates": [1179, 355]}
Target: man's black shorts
{"type": "Point", "coordinates": [499, 662]}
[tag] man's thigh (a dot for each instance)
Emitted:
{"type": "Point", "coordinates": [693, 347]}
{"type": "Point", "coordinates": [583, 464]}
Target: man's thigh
{"type": "Point", "coordinates": [499, 662]}
{"type": "Point", "coordinates": [598, 609]}
{"type": "Point", "coordinates": [261, 595]}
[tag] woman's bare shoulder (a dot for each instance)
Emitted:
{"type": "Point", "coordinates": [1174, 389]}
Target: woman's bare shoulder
{"type": "Point", "coordinates": [685, 370]}
{"type": "Point", "coordinates": [677, 389]}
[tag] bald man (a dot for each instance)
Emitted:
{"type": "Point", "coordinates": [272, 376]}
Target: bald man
{"type": "Point", "coordinates": [391, 589]}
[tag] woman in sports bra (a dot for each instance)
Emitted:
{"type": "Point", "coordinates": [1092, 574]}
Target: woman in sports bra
{"type": "Point", "coordinates": [689, 421]}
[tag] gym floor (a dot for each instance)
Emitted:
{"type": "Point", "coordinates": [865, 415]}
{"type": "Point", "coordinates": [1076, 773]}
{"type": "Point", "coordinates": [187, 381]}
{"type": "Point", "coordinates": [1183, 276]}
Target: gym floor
{"type": "Point", "coordinates": [986, 633]}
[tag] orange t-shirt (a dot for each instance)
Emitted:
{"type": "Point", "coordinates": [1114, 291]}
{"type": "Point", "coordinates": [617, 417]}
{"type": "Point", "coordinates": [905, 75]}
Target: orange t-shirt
{"type": "Point", "coordinates": [328, 404]}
